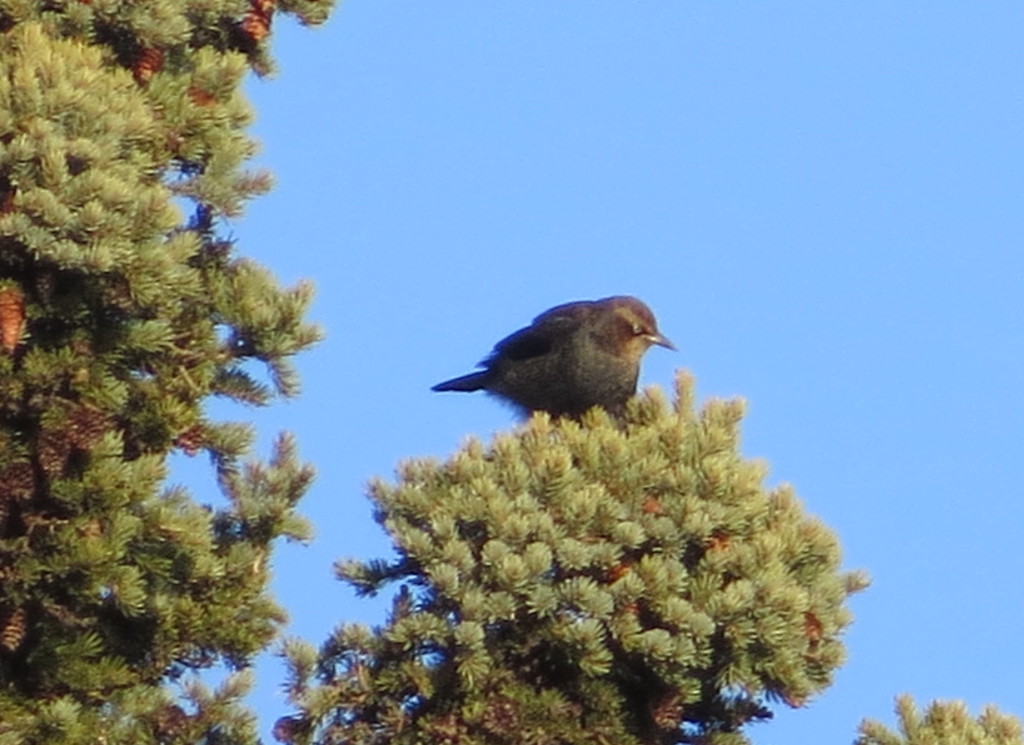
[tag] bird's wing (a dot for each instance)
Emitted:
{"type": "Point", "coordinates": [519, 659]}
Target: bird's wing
{"type": "Point", "coordinates": [521, 345]}
{"type": "Point", "coordinates": [539, 338]}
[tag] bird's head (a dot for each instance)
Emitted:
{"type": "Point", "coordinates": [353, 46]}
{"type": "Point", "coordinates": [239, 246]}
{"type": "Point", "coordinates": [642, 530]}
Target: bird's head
{"type": "Point", "coordinates": [632, 326]}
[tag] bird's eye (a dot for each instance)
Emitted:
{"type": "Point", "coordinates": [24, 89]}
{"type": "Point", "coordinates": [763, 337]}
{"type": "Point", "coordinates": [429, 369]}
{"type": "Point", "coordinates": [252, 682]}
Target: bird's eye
{"type": "Point", "coordinates": [637, 329]}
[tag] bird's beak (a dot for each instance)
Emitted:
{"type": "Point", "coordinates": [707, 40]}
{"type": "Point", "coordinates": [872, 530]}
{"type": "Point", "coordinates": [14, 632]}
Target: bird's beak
{"type": "Point", "coordinates": [661, 341]}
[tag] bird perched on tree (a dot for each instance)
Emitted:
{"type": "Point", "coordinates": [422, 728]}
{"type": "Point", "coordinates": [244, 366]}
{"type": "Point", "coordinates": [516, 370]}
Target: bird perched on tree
{"type": "Point", "coordinates": [571, 358]}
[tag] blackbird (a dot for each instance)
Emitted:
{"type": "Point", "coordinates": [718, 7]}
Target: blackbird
{"type": "Point", "coordinates": [571, 358]}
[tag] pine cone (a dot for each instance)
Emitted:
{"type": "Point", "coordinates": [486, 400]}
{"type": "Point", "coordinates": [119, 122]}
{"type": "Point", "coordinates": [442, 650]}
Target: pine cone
{"type": "Point", "coordinates": [256, 22]}
{"type": "Point", "coordinates": [13, 628]}
{"type": "Point", "coordinates": [147, 64]}
{"type": "Point", "coordinates": [12, 317]}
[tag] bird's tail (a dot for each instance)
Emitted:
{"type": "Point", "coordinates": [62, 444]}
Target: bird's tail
{"type": "Point", "coordinates": [467, 383]}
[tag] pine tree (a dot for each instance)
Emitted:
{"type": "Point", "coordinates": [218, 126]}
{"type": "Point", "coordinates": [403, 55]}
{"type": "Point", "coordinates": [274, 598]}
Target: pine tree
{"type": "Point", "coordinates": [119, 318]}
{"type": "Point", "coordinates": [595, 582]}
{"type": "Point", "coordinates": [944, 723]}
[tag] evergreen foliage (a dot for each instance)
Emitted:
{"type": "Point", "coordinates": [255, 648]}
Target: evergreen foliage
{"type": "Point", "coordinates": [944, 723]}
{"type": "Point", "coordinates": [599, 582]}
{"type": "Point", "coordinates": [119, 318]}
{"type": "Point", "coordinates": [603, 582]}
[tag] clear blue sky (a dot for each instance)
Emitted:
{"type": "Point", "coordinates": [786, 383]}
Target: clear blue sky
{"type": "Point", "coordinates": [822, 202]}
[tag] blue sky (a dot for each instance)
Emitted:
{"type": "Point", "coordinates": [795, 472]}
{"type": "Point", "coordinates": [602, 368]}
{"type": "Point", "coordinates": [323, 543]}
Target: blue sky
{"type": "Point", "coordinates": [822, 202]}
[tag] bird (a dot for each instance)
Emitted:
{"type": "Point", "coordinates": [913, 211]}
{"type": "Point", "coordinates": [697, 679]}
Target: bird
{"type": "Point", "coordinates": [571, 358]}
